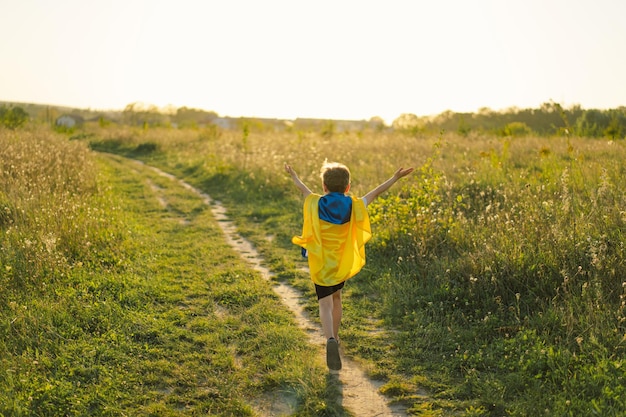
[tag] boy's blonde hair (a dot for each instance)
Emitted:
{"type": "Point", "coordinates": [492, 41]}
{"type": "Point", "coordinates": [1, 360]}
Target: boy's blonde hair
{"type": "Point", "coordinates": [335, 176]}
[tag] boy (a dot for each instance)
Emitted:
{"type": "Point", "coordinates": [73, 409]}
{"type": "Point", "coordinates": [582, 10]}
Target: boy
{"type": "Point", "coordinates": [335, 230]}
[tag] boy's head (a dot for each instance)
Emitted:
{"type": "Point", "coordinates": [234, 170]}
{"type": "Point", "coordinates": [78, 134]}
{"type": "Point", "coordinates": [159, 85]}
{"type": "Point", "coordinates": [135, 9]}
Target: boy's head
{"type": "Point", "coordinates": [336, 177]}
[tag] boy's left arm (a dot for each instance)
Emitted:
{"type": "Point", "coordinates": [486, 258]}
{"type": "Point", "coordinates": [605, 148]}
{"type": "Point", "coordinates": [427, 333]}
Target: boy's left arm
{"type": "Point", "coordinates": [401, 172]}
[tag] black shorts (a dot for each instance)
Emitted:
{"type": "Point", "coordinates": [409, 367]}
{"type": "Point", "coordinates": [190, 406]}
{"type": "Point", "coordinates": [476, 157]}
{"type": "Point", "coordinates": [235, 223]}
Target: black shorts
{"type": "Point", "coordinates": [326, 291]}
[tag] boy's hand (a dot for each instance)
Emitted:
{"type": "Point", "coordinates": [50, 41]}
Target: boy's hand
{"type": "Point", "coordinates": [303, 188]}
{"type": "Point", "coordinates": [401, 172]}
{"type": "Point", "coordinates": [289, 170]}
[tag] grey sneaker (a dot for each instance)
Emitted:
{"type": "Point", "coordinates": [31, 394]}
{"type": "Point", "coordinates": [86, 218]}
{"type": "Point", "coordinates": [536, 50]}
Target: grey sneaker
{"type": "Point", "coordinates": [332, 354]}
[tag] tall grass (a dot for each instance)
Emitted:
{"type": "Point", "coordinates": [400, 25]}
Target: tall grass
{"type": "Point", "coordinates": [54, 214]}
{"type": "Point", "coordinates": [58, 226]}
{"type": "Point", "coordinates": [113, 305]}
{"type": "Point", "coordinates": [527, 252]}
{"type": "Point", "coordinates": [500, 262]}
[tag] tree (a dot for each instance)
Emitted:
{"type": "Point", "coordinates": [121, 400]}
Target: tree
{"type": "Point", "coordinates": [144, 114]}
{"type": "Point", "coordinates": [377, 123]}
{"type": "Point", "coordinates": [617, 125]}
{"type": "Point", "coordinates": [13, 117]}
{"type": "Point", "coordinates": [409, 123]}
{"type": "Point", "coordinates": [189, 117]}
{"type": "Point", "coordinates": [328, 129]}
{"type": "Point", "coordinates": [591, 123]}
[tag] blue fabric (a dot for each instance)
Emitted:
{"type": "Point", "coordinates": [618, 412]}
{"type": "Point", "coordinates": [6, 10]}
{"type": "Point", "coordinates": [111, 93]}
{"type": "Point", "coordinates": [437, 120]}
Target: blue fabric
{"type": "Point", "coordinates": [335, 208]}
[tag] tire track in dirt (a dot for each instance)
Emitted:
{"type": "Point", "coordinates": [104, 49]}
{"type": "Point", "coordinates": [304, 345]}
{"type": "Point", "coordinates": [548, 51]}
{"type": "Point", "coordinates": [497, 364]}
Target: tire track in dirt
{"type": "Point", "coordinates": [359, 394]}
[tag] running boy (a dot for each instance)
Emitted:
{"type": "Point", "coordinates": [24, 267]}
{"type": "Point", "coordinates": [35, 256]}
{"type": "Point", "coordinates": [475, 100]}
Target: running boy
{"type": "Point", "coordinates": [335, 230]}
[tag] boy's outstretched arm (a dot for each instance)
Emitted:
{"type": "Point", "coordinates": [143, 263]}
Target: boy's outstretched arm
{"type": "Point", "coordinates": [303, 188]}
{"type": "Point", "coordinates": [401, 172]}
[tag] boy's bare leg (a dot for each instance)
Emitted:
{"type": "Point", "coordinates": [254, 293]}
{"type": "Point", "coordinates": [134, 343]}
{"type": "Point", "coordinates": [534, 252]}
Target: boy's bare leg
{"type": "Point", "coordinates": [331, 311]}
{"type": "Point", "coordinates": [330, 316]}
{"type": "Point", "coordinates": [337, 313]}
{"type": "Point", "coordinates": [326, 316]}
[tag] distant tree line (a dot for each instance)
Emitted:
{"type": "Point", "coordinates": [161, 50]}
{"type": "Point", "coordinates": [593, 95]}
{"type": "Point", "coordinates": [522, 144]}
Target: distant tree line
{"type": "Point", "coordinates": [548, 120]}
{"type": "Point", "coordinates": [151, 115]}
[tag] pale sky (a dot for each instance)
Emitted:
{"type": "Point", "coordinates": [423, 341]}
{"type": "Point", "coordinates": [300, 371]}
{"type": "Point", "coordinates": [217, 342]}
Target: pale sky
{"type": "Point", "coordinates": [332, 59]}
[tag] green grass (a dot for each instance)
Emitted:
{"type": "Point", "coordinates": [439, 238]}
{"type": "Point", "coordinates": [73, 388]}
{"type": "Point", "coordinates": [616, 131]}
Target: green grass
{"type": "Point", "coordinates": [145, 311]}
{"type": "Point", "coordinates": [497, 269]}
{"type": "Point", "coordinates": [494, 283]}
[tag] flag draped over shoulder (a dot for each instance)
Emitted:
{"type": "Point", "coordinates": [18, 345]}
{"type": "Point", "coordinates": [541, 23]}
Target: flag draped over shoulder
{"type": "Point", "coordinates": [336, 250]}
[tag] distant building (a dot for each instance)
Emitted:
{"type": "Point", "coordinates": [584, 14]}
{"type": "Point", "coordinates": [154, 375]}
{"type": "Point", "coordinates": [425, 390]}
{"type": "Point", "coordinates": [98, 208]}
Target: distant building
{"type": "Point", "coordinates": [69, 120]}
{"type": "Point", "coordinates": [223, 122]}
{"type": "Point", "coordinates": [282, 125]}
{"type": "Point", "coordinates": [339, 125]}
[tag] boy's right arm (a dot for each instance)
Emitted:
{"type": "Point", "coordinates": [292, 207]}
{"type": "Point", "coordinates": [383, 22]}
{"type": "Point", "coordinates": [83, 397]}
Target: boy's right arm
{"type": "Point", "coordinates": [303, 188]}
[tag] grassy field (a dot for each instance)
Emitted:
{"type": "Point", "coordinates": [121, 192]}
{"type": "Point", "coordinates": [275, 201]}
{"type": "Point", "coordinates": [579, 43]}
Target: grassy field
{"type": "Point", "coordinates": [114, 304]}
{"type": "Point", "coordinates": [494, 283]}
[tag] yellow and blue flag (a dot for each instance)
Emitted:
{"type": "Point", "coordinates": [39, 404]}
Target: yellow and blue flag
{"type": "Point", "coordinates": [334, 232]}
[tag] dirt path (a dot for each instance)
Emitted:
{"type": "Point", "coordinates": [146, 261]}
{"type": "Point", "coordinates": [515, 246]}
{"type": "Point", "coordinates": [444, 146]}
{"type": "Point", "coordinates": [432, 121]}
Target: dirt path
{"type": "Point", "coordinates": [360, 395]}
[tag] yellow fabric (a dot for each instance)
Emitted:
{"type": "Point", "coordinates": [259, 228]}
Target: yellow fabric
{"type": "Point", "coordinates": [335, 252]}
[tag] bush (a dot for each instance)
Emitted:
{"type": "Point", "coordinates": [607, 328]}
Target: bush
{"type": "Point", "coordinates": [13, 117]}
{"type": "Point", "coordinates": [517, 129]}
